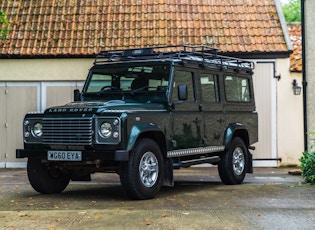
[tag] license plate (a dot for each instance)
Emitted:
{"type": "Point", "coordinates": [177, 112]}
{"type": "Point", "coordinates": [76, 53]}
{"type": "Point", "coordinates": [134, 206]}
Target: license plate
{"type": "Point", "coordinates": [64, 155]}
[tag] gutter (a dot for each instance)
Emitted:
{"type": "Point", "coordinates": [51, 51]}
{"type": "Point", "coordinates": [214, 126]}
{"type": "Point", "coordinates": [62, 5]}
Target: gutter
{"type": "Point", "coordinates": [304, 81]}
{"type": "Point", "coordinates": [45, 56]}
{"type": "Point", "coordinates": [258, 54]}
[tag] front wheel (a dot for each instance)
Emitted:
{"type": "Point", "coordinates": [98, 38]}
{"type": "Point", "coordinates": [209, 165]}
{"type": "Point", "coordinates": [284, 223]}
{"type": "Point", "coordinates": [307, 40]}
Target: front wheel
{"type": "Point", "coordinates": [141, 176]}
{"type": "Point", "coordinates": [44, 179]}
{"type": "Point", "coordinates": [232, 167]}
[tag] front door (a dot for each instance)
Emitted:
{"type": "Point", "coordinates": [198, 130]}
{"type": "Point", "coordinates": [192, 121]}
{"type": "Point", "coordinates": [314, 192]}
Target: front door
{"type": "Point", "coordinates": [186, 114]}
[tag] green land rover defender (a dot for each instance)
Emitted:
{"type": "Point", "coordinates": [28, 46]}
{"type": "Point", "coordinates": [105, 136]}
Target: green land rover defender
{"type": "Point", "coordinates": [143, 113]}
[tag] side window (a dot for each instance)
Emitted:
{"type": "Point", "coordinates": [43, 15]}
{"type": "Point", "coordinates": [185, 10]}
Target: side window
{"type": "Point", "coordinates": [183, 78]}
{"type": "Point", "coordinates": [209, 87]}
{"type": "Point", "coordinates": [236, 89]}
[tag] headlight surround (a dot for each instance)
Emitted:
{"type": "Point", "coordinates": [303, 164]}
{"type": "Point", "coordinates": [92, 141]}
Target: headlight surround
{"type": "Point", "coordinates": [106, 130]}
{"type": "Point", "coordinates": [109, 130]}
{"type": "Point", "coordinates": [33, 128]}
{"type": "Point", "coordinates": [37, 129]}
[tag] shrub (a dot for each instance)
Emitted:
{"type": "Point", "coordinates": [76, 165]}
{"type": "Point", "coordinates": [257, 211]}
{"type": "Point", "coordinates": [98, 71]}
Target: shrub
{"type": "Point", "coordinates": [308, 165]}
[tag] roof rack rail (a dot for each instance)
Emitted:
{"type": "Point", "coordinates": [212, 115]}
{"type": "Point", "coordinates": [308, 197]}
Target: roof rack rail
{"type": "Point", "coordinates": [204, 54]}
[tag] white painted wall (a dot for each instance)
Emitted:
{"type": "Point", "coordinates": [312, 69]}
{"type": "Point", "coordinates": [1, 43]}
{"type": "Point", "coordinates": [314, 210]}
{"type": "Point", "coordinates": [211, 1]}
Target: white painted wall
{"type": "Point", "coordinates": [290, 136]}
{"type": "Point", "coordinates": [44, 69]}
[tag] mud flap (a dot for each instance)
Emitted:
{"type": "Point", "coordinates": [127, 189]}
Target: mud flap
{"type": "Point", "coordinates": [249, 162]}
{"type": "Point", "coordinates": [168, 179]}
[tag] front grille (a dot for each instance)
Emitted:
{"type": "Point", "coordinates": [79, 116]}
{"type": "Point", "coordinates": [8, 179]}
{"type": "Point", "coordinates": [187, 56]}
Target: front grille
{"type": "Point", "coordinates": [71, 131]}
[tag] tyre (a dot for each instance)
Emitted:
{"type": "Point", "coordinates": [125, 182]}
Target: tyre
{"type": "Point", "coordinates": [46, 180]}
{"type": "Point", "coordinates": [232, 167]}
{"type": "Point", "coordinates": [141, 176]}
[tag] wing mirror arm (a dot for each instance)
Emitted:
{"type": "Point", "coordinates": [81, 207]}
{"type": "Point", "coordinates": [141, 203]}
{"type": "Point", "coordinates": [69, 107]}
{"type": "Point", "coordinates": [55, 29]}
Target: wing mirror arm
{"type": "Point", "coordinates": [182, 96]}
{"type": "Point", "coordinates": [76, 95]}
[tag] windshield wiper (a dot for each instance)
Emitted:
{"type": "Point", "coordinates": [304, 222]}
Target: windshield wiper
{"type": "Point", "coordinates": [141, 89]}
{"type": "Point", "coordinates": [107, 89]}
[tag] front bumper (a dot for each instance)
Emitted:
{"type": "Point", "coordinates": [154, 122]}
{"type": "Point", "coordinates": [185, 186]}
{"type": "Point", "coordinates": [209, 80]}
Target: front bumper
{"type": "Point", "coordinates": [118, 155]}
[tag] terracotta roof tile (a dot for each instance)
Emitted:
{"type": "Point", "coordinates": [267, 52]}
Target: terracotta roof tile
{"type": "Point", "coordinates": [295, 34]}
{"type": "Point", "coordinates": [69, 27]}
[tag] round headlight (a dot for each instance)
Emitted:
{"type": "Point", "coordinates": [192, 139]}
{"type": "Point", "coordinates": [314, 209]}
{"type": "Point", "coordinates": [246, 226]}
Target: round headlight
{"type": "Point", "coordinates": [37, 129]}
{"type": "Point", "coordinates": [106, 129]}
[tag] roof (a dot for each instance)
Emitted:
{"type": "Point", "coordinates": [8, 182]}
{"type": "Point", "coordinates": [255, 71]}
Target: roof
{"type": "Point", "coordinates": [83, 28]}
{"type": "Point", "coordinates": [295, 33]}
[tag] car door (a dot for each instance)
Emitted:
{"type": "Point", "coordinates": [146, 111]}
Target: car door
{"type": "Point", "coordinates": [186, 114]}
{"type": "Point", "coordinates": [213, 115]}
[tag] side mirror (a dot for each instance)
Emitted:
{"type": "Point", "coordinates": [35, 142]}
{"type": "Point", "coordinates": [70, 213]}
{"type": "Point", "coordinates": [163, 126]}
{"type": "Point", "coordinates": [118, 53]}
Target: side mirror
{"type": "Point", "coordinates": [76, 95]}
{"type": "Point", "coordinates": [182, 92]}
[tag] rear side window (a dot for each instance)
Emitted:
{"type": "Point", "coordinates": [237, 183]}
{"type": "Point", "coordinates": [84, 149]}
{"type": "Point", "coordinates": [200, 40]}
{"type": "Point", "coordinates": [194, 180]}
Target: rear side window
{"type": "Point", "coordinates": [237, 89]}
{"type": "Point", "coordinates": [209, 87]}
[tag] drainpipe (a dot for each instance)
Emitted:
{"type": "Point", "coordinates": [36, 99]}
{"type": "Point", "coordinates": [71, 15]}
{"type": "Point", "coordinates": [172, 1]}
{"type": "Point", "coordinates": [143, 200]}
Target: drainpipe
{"type": "Point", "coordinates": [304, 81]}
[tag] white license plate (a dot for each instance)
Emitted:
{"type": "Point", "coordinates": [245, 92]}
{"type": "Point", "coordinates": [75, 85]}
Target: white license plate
{"type": "Point", "coordinates": [57, 155]}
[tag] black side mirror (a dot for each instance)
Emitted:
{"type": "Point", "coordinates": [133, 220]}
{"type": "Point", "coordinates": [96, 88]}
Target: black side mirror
{"type": "Point", "coordinates": [182, 92]}
{"type": "Point", "coordinates": [76, 95]}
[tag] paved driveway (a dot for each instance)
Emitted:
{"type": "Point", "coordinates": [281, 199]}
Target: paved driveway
{"type": "Point", "coordinates": [269, 199]}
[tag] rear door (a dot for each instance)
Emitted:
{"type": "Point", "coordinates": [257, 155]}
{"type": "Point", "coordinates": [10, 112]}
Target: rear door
{"type": "Point", "coordinates": [213, 117]}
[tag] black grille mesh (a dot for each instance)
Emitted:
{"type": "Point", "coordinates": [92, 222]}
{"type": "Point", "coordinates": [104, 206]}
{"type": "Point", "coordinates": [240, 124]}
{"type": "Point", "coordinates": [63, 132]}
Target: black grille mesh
{"type": "Point", "coordinates": [71, 131]}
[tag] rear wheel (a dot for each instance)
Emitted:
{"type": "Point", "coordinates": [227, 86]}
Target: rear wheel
{"type": "Point", "coordinates": [141, 176]}
{"type": "Point", "coordinates": [46, 180]}
{"type": "Point", "coordinates": [232, 167]}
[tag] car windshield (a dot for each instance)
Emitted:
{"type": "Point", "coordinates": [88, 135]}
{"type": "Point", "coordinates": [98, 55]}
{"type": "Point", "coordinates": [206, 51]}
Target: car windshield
{"type": "Point", "coordinates": [142, 82]}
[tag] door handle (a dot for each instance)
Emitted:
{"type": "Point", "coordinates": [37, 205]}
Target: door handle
{"type": "Point", "coordinates": [196, 120]}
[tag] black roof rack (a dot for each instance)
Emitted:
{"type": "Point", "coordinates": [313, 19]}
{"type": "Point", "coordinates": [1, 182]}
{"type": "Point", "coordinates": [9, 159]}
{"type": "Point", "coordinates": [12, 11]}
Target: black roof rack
{"type": "Point", "coordinates": [202, 54]}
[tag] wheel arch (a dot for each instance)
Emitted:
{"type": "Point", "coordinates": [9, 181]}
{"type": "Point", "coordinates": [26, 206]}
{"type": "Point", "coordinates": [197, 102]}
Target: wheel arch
{"type": "Point", "coordinates": [236, 130]}
{"type": "Point", "coordinates": [152, 131]}
{"type": "Point", "coordinates": [239, 130]}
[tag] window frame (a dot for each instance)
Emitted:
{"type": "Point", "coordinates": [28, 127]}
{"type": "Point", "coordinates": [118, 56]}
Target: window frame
{"type": "Point", "coordinates": [247, 86]}
{"type": "Point", "coordinates": [216, 87]}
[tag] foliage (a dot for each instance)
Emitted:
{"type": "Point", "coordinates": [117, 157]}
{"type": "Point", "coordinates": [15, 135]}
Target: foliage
{"type": "Point", "coordinates": [4, 25]}
{"type": "Point", "coordinates": [308, 165]}
{"type": "Point", "coordinates": [292, 10]}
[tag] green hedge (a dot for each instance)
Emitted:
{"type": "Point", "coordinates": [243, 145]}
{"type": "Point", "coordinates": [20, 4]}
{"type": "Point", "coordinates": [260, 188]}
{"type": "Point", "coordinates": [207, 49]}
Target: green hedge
{"type": "Point", "coordinates": [308, 165]}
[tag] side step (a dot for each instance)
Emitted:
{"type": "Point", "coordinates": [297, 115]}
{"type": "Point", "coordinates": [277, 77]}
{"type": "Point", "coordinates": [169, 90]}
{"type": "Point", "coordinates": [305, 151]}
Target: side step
{"type": "Point", "coordinates": [195, 151]}
{"type": "Point", "coordinates": [188, 163]}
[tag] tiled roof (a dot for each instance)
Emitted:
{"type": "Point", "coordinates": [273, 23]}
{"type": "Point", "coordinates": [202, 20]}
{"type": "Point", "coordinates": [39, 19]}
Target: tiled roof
{"type": "Point", "coordinates": [84, 27]}
{"type": "Point", "coordinates": [294, 29]}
